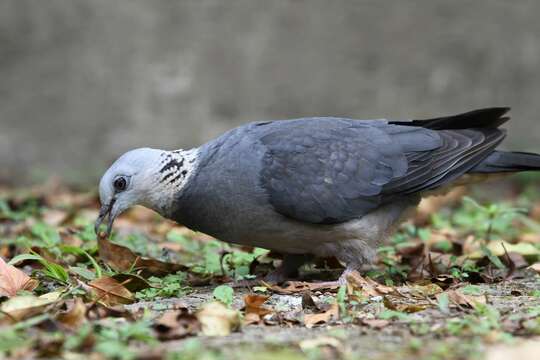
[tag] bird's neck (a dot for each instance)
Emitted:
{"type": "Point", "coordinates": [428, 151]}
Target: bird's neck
{"type": "Point", "coordinates": [169, 176]}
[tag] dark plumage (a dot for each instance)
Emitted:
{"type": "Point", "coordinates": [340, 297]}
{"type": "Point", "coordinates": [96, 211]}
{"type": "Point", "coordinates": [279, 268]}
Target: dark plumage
{"type": "Point", "coordinates": [325, 186]}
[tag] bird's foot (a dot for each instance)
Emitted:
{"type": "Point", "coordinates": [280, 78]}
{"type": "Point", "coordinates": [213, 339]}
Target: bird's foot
{"type": "Point", "coordinates": [276, 276]}
{"type": "Point", "coordinates": [342, 280]}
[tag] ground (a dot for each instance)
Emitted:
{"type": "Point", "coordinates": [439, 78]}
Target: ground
{"type": "Point", "coordinates": [458, 281]}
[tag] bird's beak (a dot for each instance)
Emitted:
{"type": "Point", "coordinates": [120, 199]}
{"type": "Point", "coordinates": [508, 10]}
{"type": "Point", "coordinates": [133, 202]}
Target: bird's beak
{"type": "Point", "coordinates": [106, 209]}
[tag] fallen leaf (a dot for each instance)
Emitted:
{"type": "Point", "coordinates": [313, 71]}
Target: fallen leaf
{"type": "Point", "coordinates": [100, 310]}
{"type": "Point", "coordinates": [331, 314]}
{"type": "Point", "coordinates": [110, 291]}
{"type": "Point", "coordinates": [367, 286]}
{"type": "Point", "coordinates": [295, 287]}
{"type": "Point", "coordinates": [70, 237]}
{"type": "Point", "coordinates": [308, 303]}
{"type": "Point", "coordinates": [405, 307]}
{"type": "Point", "coordinates": [122, 259]}
{"type": "Point", "coordinates": [75, 314]}
{"type": "Point", "coordinates": [252, 318]}
{"type": "Point", "coordinates": [176, 324]}
{"type": "Point", "coordinates": [535, 267]}
{"type": "Point", "coordinates": [13, 280]}
{"type": "Point", "coordinates": [443, 280]}
{"type": "Point", "coordinates": [500, 248]}
{"type": "Point", "coordinates": [253, 304]}
{"type": "Point", "coordinates": [132, 282]}
{"type": "Point", "coordinates": [516, 260]}
{"type": "Point", "coordinates": [471, 245]}
{"type": "Point", "coordinates": [460, 299]}
{"type": "Point", "coordinates": [531, 238]}
{"type": "Point", "coordinates": [24, 306]}
{"type": "Point", "coordinates": [54, 217]}
{"type": "Point", "coordinates": [425, 290]}
{"type": "Point", "coordinates": [217, 319]}
{"type": "Point", "coordinates": [535, 212]}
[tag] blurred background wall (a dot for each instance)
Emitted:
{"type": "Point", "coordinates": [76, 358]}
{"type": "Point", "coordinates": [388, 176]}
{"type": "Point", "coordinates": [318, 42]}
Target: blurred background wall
{"type": "Point", "coordinates": [82, 81]}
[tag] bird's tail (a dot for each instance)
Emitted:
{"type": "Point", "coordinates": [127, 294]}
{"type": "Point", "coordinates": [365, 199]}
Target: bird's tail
{"type": "Point", "coordinates": [504, 162]}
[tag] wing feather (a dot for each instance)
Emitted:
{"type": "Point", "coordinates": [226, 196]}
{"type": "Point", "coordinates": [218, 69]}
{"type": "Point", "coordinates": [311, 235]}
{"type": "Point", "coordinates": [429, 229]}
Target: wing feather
{"type": "Point", "coordinates": [333, 170]}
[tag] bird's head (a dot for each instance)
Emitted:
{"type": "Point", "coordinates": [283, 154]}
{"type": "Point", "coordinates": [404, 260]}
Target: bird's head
{"type": "Point", "coordinates": [148, 177]}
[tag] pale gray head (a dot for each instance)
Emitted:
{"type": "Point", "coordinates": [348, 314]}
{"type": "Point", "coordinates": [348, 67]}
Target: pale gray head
{"type": "Point", "coordinates": [148, 177]}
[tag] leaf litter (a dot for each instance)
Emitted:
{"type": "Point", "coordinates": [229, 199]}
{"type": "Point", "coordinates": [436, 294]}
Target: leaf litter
{"type": "Point", "coordinates": [471, 272]}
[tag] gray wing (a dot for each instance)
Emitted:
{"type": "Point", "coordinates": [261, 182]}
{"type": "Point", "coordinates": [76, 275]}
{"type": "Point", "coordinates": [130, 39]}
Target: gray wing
{"type": "Point", "coordinates": [333, 170]}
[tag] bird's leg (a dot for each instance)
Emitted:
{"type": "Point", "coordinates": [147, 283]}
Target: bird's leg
{"type": "Point", "coordinates": [360, 268]}
{"type": "Point", "coordinates": [342, 280]}
{"type": "Point", "coordinates": [357, 254]}
{"type": "Point", "coordinates": [288, 268]}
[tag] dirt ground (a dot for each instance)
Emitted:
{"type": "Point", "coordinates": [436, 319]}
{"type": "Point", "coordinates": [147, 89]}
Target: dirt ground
{"type": "Point", "coordinates": [459, 281]}
{"type": "Point", "coordinates": [399, 338]}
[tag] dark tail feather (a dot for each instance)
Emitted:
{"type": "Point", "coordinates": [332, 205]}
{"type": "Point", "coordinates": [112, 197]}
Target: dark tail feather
{"type": "Point", "coordinates": [502, 161]}
{"type": "Point", "coordinates": [481, 118]}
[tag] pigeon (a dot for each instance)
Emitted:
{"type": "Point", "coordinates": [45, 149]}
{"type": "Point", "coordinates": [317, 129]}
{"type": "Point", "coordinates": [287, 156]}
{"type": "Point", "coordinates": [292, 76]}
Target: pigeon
{"type": "Point", "coordinates": [311, 187]}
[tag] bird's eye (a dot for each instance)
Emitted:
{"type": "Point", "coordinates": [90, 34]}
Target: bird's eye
{"type": "Point", "coordinates": [120, 183]}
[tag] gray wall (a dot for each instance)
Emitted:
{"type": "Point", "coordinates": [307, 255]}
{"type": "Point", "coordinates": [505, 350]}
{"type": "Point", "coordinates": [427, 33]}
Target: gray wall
{"type": "Point", "coordinates": [81, 81]}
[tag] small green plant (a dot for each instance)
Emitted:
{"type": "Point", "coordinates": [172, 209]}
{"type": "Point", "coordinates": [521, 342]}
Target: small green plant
{"type": "Point", "coordinates": [393, 269]}
{"type": "Point", "coordinates": [225, 294]}
{"type": "Point", "coordinates": [472, 290]}
{"type": "Point", "coordinates": [341, 299]}
{"type": "Point", "coordinates": [30, 207]}
{"type": "Point", "coordinates": [487, 221]}
{"type": "Point", "coordinates": [50, 269]}
{"type": "Point", "coordinates": [443, 303]}
{"type": "Point", "coordinates": [388, 314]}
{"type": "Point", "coordinates": [484, 320]}
{"type": "Point", "coordinates": [172, 285]}
{"type": "Point", "coordinates": [114, 340]}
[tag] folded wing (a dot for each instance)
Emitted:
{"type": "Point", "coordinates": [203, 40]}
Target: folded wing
{"type": "Point", "coordinates": [327, 170]}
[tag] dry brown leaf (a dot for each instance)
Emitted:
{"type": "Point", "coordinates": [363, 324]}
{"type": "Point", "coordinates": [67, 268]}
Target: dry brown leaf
{"type": "Point", "coordinates": [531, 238]}
{"type": "Point", "coordinates": [217, 319]}
{"type": "Point", "coordinates": [252, 318]}
{"type": "Point", "coordinates": [69, 237]}
{"type": "Point", "coordinates": [110, 291]}
{"type": "Point", "coordinates": [471, 245]}
{"type": "Point", "coordinates": [367, 286]}
{"type": "Point", "coordinates": [295, 287]}
{"type": "Point", "coordinates": [121, 258]}
{"type": "Point", "coordinates": [253, 304]}
{"type": "Point", "coordinates": [101, 310]}
{"type": "Point", "coordinates": [24, 306]}
{"type": "Point", "coordinates": [423, 290]}
{"type": "Point", "coordinates": [132, 282]}
{"type": "Point", "coordinates": [54, 217]}
{"type": "Point", "coordinates": [75, 315]}
{"type": "Point", "coordinates": [308, 303]}
{"type": "Point", "coordinates": [535, 212]}
{"type": "Point", "coordinates": [176, 324]}
{"type": "Point", "coordinates": [501, 248]}
{"type": "Point", "coordinates": [458, 298]}
{"type": "Point", "coordinates": [13, 280]}
{"type": "Point", "coordinates": [535, 267]}
{"type": "Point", "coordinates": [329, 315]}
{"type": "Point", "coordinates": [406, 307]}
